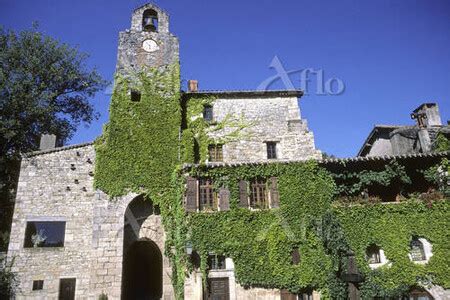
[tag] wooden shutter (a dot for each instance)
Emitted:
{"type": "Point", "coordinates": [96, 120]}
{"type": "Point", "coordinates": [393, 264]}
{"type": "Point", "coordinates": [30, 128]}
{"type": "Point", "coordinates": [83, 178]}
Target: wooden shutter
{"type": "Point", "coordinates": [191, 194]}
{"type": "Point", "coordinates": [243, 197]}
{"type": "Point", "coordinates": [274, 195]}
{"type": "Point", "coordinates": [224, 198]}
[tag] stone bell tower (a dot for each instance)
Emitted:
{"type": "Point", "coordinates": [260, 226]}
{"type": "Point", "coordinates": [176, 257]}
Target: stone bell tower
{"type": "Point", "coordinates": [148, 43]}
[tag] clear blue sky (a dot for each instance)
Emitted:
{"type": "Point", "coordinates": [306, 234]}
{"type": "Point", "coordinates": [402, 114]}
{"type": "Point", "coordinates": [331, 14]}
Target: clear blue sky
{"type": "Point", "coordinates": [391, 55]}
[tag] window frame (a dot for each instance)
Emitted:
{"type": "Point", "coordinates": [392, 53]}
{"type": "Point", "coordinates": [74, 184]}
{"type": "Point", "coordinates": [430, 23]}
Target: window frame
{"type": "Point", "coordinates": [216, 262]}
{"type": "Point", "coordinates": [413, 252]}
{"type": "Point", "coordinates": [208, 113]}
{"type": "Point", "coordinates": [259, 194]}
{"type": "Point", "coordinates": [38, 285]}
{"type": "Point", "coordinates": [271, 149]}
{"type": "Point", "coordinates": [28, 239]}
{"type": "Point", "coordinates": [215, 152]}
{"type": "Point", "coordinates": [371, 251]}
{"type": "Point", "coordinates": [206, 188]}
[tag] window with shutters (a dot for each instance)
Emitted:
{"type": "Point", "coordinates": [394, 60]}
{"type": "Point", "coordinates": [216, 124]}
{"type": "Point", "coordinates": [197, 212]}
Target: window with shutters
{"type": "Point", "coordinates": [258, 194]}
{"type": "Point", "coordinates": [271, 150]}
{"type": "Point", "coordinates": [207, 197]}
{"type": "Point", "coordinates": [373, 254]}
{"type": "Point", "coordinates": [417, 252]}
{"type": "Point", "coordinates": [215, 153]}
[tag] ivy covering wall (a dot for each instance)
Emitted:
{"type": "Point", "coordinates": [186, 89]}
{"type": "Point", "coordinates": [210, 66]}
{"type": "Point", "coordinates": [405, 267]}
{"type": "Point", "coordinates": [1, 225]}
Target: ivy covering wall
{"type": "Point", "coordinates": [139, 152]}
{"type": "Point", "coordinates": [139, 148]}
{"type": "Point", "coordinates": [392, 227]}
{"type": "Point", "coordinates": [142, 150]}
{"type": "Point", "coordinates": [261, 242]}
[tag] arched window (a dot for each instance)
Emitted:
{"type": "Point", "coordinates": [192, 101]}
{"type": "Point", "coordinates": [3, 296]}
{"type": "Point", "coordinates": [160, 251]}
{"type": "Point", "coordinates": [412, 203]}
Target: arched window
{"type": "Point", "coordinates": [373, 254]}
{"type": "Point", "coordinates": [417, 251]}
{"type": "Point", "coordinates": [150, 20]}
{"type": "Point", "coordinates": [418, 294]}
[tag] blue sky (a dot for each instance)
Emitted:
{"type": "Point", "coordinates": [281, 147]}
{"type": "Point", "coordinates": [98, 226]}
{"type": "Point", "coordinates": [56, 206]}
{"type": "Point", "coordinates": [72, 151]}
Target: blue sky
{"type": "Point", "coordinates": [391, 55]}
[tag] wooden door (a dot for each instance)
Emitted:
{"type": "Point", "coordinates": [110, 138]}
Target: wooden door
{"type": "Point", "coordinates": [67, 289]}
{"type": "Point", "coordinates": [219, 289]}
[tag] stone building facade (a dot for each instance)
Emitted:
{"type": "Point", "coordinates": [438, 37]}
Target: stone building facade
{"type": "Point", "coordinates": [271, 119]}
{"type": "Point", "coordinates": [72, 241]}
{"type": "Point", "coordinates": [100, 236]}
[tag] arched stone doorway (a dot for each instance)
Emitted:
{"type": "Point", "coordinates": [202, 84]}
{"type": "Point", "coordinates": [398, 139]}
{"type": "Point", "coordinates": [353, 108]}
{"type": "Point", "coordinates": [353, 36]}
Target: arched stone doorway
{"type": "Point", "coordinates": [142, 268]}
{"type": "Point", "coordinates": [142, 272]}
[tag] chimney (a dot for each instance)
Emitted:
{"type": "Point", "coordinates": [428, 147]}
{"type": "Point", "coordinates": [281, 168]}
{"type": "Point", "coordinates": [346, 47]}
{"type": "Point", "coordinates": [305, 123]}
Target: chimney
{"type": "Point", "coordinates": [192, 86]}
{"type": "Point", "coordinates": [427, 115]}
{"type": "Point", "coordinates": [48, 141]}
{"type": "Point", "coordinates": [424, 140]}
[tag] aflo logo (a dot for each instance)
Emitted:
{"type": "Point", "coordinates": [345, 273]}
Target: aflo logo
{"type": "Point", "coordinates": [332, 86]}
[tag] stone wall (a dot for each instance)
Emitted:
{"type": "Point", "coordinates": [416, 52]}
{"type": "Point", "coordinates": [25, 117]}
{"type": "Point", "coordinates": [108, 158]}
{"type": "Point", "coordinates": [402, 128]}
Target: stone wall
{"type": "Point", "coordinates": [131, 57]}
{"type": "Point", "coordinates": [269, 120]}
{"type": "Point", "coordinates": [58, 186]}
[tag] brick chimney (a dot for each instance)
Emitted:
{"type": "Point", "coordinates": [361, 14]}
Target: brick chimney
{"type": "Point", "coordinates": [192, 86]}
{"type": "Point", "coordinates": [48, 141]}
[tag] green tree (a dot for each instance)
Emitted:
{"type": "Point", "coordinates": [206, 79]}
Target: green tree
{"type": "Point", "coordinates": [8, 280]}
{"type": "Point", "coordinates": [45, 87]}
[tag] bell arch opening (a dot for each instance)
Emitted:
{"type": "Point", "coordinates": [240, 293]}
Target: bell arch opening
{"type": "Point", "coordinates": [150, 20]}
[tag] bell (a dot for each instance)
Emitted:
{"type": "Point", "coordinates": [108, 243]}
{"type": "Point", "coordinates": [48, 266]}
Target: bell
{"type": "Point", "coordinates": [148, 23]}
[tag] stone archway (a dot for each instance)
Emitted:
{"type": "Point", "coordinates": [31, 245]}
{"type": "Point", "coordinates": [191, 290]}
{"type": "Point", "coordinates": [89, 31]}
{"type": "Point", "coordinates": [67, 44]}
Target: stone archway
{"type": "Point", "coordinates": [142, 272]}
{"type": "Point", "coordinates": [143, 248]}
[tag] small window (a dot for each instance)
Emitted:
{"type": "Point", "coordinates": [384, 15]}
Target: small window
{"type": "Point", "coordinates": [216, 262]}
{"type": "Point", "coordinates": [206, 195]}
{"type": "Point", "coordinates": [373, 254]}
{"type": "Point", "coordinates": [215, 153]}
{"type": "Point", "coordinates": [208, 113]}
{"type": "Point", "coordinates": [67, 289]}
{"type": "Point", "coordinates": [271, 150]}
{"type": "Point", "coordinates": [44, 234]}
{"type": "Point", "coordinates": [38, 285]}
{"type": "Point", "coordinates": [417, 250]}
{"type": "Point", "coordinates": [295, 254]}
{"type": "Point", "coordinates": [258, 194]}
{"type": "Point", "coordinates": [135, 96]}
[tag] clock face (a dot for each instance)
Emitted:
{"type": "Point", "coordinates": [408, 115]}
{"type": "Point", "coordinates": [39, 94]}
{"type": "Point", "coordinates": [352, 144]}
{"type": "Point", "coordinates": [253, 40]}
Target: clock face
{"type": "Point", "coordinates": [150, 46]}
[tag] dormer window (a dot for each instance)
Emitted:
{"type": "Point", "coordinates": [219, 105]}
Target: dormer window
{"type": "Point", "coordinates": [150, 20]}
